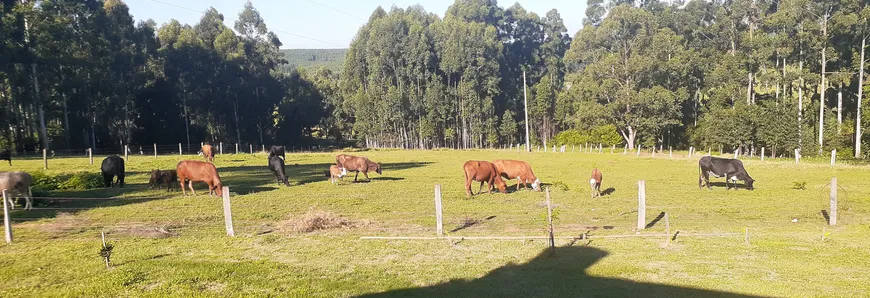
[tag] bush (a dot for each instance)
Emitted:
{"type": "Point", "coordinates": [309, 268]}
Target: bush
{"type": "Point", "coordinates": [82, 180]}
{"type": "Point", "coordinates": [43, 182]}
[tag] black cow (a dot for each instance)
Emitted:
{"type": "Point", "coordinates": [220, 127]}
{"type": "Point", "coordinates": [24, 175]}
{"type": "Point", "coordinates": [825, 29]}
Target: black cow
{"type": "Point", "coordinates": [277, 151]}
{"type": "Point", "coordinates": [6, 155]}
{"type": "Point", "coordinates": [731, 169]}
{"type": "Point", "coordinates": [276, 164]}
{"type": "Point", "coordinates": [113, 166]}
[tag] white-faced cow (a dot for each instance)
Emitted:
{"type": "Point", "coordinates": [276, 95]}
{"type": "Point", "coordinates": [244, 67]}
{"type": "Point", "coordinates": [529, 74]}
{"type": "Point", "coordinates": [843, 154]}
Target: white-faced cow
{"type": "Point", "coordinates": [731, 169]}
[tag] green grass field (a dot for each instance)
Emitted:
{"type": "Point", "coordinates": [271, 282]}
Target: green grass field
{"type": "Point", "coordinates": [170, 245]}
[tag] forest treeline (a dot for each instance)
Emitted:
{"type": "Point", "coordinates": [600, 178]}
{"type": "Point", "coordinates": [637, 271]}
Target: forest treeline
{"type": "Point", "coordinates": [740, 74]}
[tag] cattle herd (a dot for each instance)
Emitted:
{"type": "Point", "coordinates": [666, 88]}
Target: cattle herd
{"type": "Point", "coordinates": [18, 184]}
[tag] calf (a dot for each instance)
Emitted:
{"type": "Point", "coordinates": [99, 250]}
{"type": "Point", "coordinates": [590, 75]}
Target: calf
{"type": "Point", "coordinates": [276, 164]}
{"type": "Point", "coordinates": [17, 183]}
{"type": "Point", "coordinates": [521, 170]}
{"type": "Point", "coordinates": [731, 169]}
{"type": "Point", "coordinates": [199, 171]}
{"type": "Point", "coordinates": [277, 151]}
{"type": "Point", "coordinates": [482, 171]}
{"type": "Point", "coordinates": [595, 183]}
{"type": "Point", "coordinates": [158, 177]}
{"type": "Point", "coordinates": [111, 167]}
{"type": "Point", "coordinates": [207, 153]}
{"type": "Point", "coordinates": [357, 164]}
{"type": "Point", "coordinates": [6, 155]}
{"type": "Point", "coordinates": [336, 172]}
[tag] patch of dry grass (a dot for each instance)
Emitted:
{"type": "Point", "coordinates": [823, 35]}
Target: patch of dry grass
{"type": "Point", "coordinates": [315, 220]}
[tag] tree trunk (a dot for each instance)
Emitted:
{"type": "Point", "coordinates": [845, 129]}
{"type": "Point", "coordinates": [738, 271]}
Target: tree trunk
{"type": "Point", "coordinates": [860, 97]}
{"type": "Point", "coordinates": [236, 116]}
{"type": "Point", "coordinates": [186, 120]}
{"type": "Point", "coordinates": [822, 85]}
{"type": "Point", "coordinates": [839, 108]}
{"type": "Point", "coordinates": [749, 90]}
{"type": "Point", "coordinates": [43, 136]}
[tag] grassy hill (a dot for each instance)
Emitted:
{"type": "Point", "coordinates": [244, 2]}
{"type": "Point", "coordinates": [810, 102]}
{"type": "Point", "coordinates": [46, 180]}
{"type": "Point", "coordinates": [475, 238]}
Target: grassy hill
{"type": "Point", "coordinates": [167, 244]}
{"type": "Point", "coordinates": [314, 58]}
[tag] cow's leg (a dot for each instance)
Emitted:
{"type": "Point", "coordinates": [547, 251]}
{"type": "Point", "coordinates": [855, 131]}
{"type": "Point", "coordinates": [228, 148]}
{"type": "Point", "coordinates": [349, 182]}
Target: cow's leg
{"type": "Point", "coordinates": [183, 190]}
{"type": "Point", "coordinates": [468, 192]}
{"type": "Point", "coordinates": [366, 173]}
{"type": "Point", "coordinates": [190, 184]}
{"type": "Point", "coordinates": [480, 189]}
{"type": "Point", "coordinates": [355, 176]}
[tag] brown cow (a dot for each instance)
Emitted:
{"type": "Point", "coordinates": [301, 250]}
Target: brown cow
{"type": "Point", "coordinates": [158, 177]}
{"type": "Point", "coordinates": [595, 183]}
{"type": "Point", "coordinates": [207, 152]}
{"type": "Point", "coordinates": [199, 171]}
{"type": "Point", "coordinates": [483, 171]}
{"type": "Point", "coordinates": [521, 170]}
{"type": "Point", "coordinates": [357, 164]}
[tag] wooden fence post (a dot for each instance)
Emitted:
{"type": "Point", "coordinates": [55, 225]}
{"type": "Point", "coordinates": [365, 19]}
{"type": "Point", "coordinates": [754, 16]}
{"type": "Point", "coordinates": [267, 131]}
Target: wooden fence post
{"type": "Point", "coordinates": [155, 150]}
{"type": "Point", "coordinates": [228, 214]}
{"type": "Point", "coordinates": [797, 155]}
{"type": "Point", "coordinates": [762, 153]}
{"type": "Point", "coordinates": [264, 148]}
{"type": "Point", "coordinates": [7, 221]}
{"type": "Point", "coordinates": [126, 152]}
{"type": "Point", "coordinates": [670, 152]}
{"type": "Point", "coordinates": [612, 148]}
{"type": "Point", "coordinates": [641, 205]}
{"type": "Point", "coordinates": [550, 221]}
{"type": "Point", "coordinates": [252, 148]}
{"type": "Point", "coordinates": [91, 155]}
{"type": "Point", "coordinates": [833, 215]}
{"type": "Point", "coordinates": [638, 149]}
{"type": "Point", "coordinates": [179, 148]}
{"type": "Point", "coordinates": [709, 151]}
{"type": "Point", "coordinates": [45, 159]}
{"type": "Point", "coordinates": [736, 152]}
{"type": "Point", "coordinates": [690, 151]}
{"type": "Point", "coordinates": [833, 157]}
{"type": "Point", "coordinates": [439, 227]}
{"type": "Point", "coordinates": [221, 148]}
{"type": "Point", "coordinates": [653, 151]}
{"type": "Point", "coordinates": [237, 148]}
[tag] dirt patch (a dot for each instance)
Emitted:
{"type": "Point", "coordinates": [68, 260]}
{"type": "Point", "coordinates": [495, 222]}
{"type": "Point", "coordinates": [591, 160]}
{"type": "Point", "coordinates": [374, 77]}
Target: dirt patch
{"type": "Point", "coordinates": [143, 232]}
{"type": "Point", "coordinates": [63, 224]}
{"type": "Point", "coordinates": [317, 220]}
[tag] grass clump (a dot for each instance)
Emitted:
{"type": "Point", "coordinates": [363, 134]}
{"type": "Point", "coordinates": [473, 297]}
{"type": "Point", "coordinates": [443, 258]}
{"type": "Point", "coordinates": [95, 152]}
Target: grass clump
{"type": "Point", "coordinates": [799, 185]}
{"type": "Point", "coordinates": [316, 220]}
{"type": "Point", "coordinates": [82, 180]}
{"type": "Point", "coordinates": [42, 182]}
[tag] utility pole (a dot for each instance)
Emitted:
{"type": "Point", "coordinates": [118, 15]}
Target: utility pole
{"type": "Point", "coordinates": [526, 109]}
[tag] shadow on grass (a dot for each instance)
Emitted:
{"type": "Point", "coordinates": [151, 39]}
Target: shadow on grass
{"type": "Point", "coordinates": [608, 191]}
{"type": "Point", "coordinates": [826, 216]}
{"type": "Point", "coordinates": [561, 273]}
{"type": "Point", "coordinates": [50, 204]}
{"type": "Point", "coordinates": [731, 185]}
{"type": "Point", "coordinates": [468, 222]}
{"type": "Point", "coordinates": [655, 220]}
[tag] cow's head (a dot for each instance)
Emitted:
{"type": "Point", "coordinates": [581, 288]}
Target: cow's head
{"type": "Point", "coordinates": [499, 183]}
{"type": "Point", "coordinates": [375, 167]}
{"type": "Point", "coordinates": [749, 182]}
{"type": "Point", "coordinates": [536, 185]}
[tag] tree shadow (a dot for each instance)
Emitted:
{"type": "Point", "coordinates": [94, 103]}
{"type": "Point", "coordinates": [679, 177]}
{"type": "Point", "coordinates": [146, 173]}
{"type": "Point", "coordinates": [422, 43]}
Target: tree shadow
{"type": "Point", "coordinates": [51, 204]}
{"type": "Point", "coordinates": [608, 191]}
{"type": "Point", "coordinates": [655, 220]}
{"type": "Point", "coordinates": [561, 273]}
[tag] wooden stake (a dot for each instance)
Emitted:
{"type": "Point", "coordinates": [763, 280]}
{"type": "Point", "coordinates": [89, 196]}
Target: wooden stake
{"type": "Point", "coordinates": [264, 148]}
{"type": "Point", "coordinates": [237, 148]}
{"type": "Point", "coordinates": [638, 150]}
{"type": "Point", "coordinates": [221, 148]}
{"type": "Point", "coordinates": [179, 148]}
{"type": "Point", "coordinates": [126, 152]}
{"type": "Point", "coordinates": [252, 148]}
{"type": "Point", "coordinates": [833, 156]}
{"type": "Point", "coordinates": [45, 159]}
{"type": "Point", "coordinates": [439, 227]}
{"type": "Point", "coordinates": [612, 148]}
{"type": "Point", "coordinates": [7, 220]}
{"type": "Point", "coordinates": [228, 214]}
{"type": "Point", "coordinates": [797, 156]}
{"type": "Point", "coordinates": [670, 152]}
{"type": "Point", "coordinates": [91, 155]}
{"type": "Point", "coordinates": [103, 234]}
{"type": "Point", "coordinates": [762, 153]}
{"type": "Point", "coordinates": [550, 221]}
{"type": "Point", "coordinates": [833, 215]}
{"type": "Point", "coordinates": [155, 150]}
{"type": "Point", "coordinates": [641, 205]}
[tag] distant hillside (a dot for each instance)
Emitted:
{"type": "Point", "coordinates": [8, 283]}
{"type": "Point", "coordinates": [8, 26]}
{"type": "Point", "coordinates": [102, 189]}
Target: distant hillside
{"type": "Point", "coordinates": [314, 58]}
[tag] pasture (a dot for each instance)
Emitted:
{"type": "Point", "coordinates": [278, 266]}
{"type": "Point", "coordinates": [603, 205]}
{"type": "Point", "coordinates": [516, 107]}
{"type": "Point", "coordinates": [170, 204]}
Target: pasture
{"type": "Point", "coordinates": [168, 244]}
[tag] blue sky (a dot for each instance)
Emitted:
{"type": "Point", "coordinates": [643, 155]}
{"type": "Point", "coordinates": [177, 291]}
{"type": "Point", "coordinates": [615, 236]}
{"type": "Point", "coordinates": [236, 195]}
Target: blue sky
{"type": "Point", "coordinates": [317, 24]}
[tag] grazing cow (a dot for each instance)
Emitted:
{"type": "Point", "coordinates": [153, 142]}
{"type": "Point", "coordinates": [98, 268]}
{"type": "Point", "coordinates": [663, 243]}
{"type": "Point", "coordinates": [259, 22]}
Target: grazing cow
{"type": "Point", "coordinates": [336, 173]}
{"type": "Point", "coordinates": [208, 152]}
{"type": "Point", "coordinates": [595, 183]}
{"type": "Point", "coordinates": [17, 183]}
{"type": "Point", "coordinates": [199, 171]}
{"type": "Point", "coordinates": [6, 155]}
{"type": "Point", "coordinates": [277, 151]}
{"type": "Point", "coordinates": [357, 164]}
{"type": "Point", "coordinates": [113, 166]}
{"type": "Point", "coordinates": [276, 164]}
{"type": "Point", "coordinates": [158, 177]}
{"type": "Point", "coordinates": [521, 170]}
{"type": "Point", "coordinates": [482, 171]}
{"type": "Point", "coordinates": [731, 169]}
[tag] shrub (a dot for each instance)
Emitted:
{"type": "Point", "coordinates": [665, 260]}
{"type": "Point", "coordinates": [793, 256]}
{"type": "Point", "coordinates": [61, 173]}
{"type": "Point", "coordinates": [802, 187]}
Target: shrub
{"type": "Point", "coordinates": [83, 180]}
{"type": "Point", "coordinates": [560, 186]}
{"type": "Point", "coordinates": [43, 182]}
{"type": "Point", "coordinates": [799, 185]}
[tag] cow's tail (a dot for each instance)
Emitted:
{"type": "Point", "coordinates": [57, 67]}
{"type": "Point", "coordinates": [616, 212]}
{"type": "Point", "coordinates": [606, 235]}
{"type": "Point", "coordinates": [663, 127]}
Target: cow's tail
{"type": "Point", "coordinates": [700, 176]}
